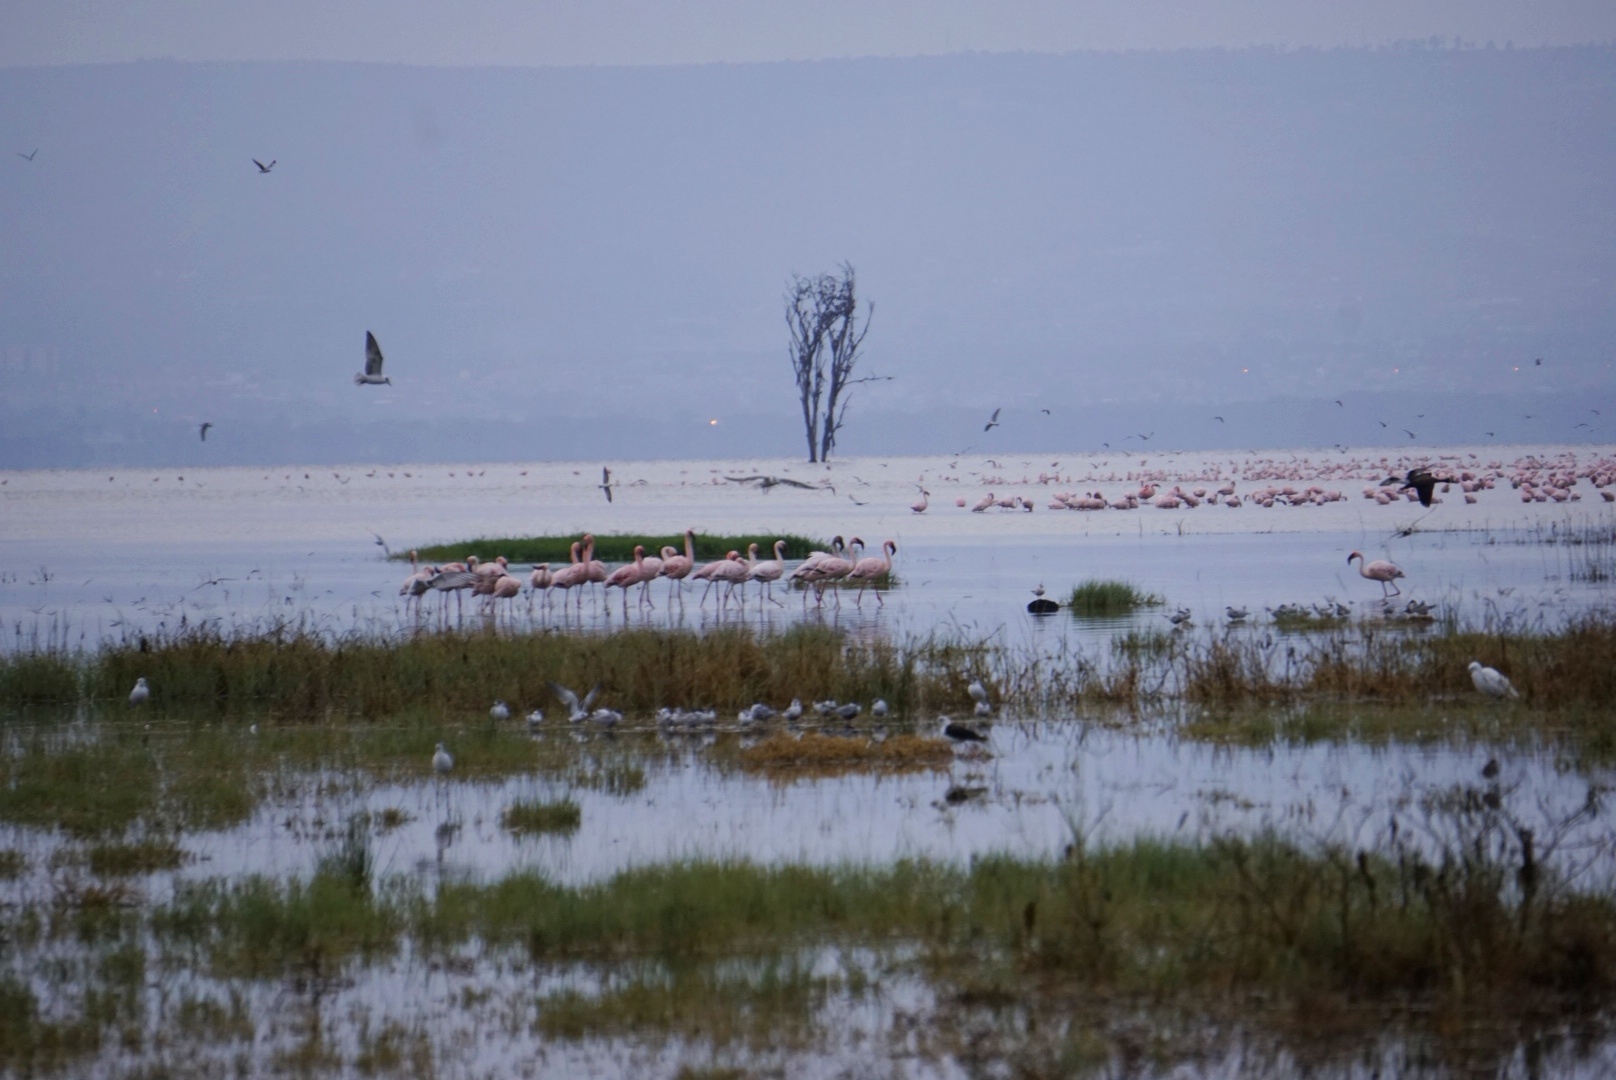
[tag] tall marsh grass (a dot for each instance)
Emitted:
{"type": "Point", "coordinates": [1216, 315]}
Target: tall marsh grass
{"type": "Point", "coordinates": [1103, 599]}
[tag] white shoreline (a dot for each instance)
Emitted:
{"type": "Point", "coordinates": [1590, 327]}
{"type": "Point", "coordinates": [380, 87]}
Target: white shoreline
{"type": "Point", "coordinates": [441, 503]}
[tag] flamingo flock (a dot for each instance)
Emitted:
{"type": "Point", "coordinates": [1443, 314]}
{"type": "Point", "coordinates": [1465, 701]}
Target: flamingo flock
{"type": "Point", "coordinates": [726, 578]}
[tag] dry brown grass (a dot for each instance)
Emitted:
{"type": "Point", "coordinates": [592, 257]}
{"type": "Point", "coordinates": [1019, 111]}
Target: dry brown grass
{"type": "Point", "coordinates": [783, 757]}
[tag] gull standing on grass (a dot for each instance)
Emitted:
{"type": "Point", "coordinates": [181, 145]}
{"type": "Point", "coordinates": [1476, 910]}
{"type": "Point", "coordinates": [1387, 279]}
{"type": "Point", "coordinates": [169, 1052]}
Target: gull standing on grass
{"type": "Point", "coordinates": [140, 693]}
{"type": "Point", "coordinates": [441, 761]}
{"type": "Point", "coordinates": [1491, 681]}
{"type": "Point", "coordinates": [500, 712]}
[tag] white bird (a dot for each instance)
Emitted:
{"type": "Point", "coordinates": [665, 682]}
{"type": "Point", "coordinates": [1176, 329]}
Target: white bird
{"type": "Point", "coordinates": [978, 692]}
{"type": "Point", "coordinates": [794, 710]}
{"type": "Point", "coordinates": [982, 709]}
{"type": "Point", "coordinates": [760, 711]}
{"type": "Point", "coordinates": [373, 364]}
{"type": "Point", "coordinates": [826, 707]}
{"type": "Point", "coordinates": [576, 710]}
{"type": "Point", "coordinates": [879, 707]}
{"type": "Point", "coordinates": [140, 693]}
{"type": "Point", "coordinates": [499, 712]}
{"type": "Point", "coordinates": [848, 711]}
{"type": "Point", "coordinates": [441, 761]}
{"type": "Point", "coordinates": [1236, 614]}
{"type": "Point", "coordinates": [961, 733]}
{"type": "Point", "coordinates": [605, 716]}
{"type": "Point", "coordinates": [534, 719]}
{"type": "Point", "coordinates": [1491, 681]}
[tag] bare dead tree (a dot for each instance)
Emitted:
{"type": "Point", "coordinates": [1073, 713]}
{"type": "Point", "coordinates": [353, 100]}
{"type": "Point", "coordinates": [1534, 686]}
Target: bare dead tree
{"type": "Point", "coordinates": [822, 317]}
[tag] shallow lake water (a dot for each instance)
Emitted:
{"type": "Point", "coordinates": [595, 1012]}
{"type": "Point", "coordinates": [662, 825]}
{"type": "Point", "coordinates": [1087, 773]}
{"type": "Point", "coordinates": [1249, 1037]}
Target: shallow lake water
{"type": "Point", "coordinates": [86, 558]}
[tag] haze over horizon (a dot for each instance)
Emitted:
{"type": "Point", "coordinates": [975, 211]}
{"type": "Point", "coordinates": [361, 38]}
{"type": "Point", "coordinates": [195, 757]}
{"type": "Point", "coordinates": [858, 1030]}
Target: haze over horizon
{"type": "Point", "coordinates": [588, 262]}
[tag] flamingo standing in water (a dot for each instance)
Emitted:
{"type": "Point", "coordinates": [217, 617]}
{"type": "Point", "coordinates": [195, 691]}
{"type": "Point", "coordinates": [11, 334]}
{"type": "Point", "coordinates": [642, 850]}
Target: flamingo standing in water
{"type": "Point", "coordinates": [574, 575]}
{"type": "Point", "coordinates": [827, 571]}
{"type": "Point", "coordinates": [650, 567]}
{"type": "Point", "coordinates": [416, 585]}
{"type": "Point", "coordinates": [540, 581]}
{"type": "Point", "coordinates": [869, 570]}
{"type": "Point", "coordinates": [627, 575]}
{"type": "Point", "coordinates": [1380, 570]}
{"type": "Point", "coordinates": [767, 572]}
{"type": "Point", "coordinates": [677, 567]}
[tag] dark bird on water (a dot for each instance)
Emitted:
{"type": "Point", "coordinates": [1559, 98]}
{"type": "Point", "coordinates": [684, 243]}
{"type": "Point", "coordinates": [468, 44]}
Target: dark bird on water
{"type": "Point", "coordinates": [262, 168]}
{"type": "Point", "coordinates": [27, 157]}
{"type": "Point", "coordinates": [993, 421]}
{"type": "Point", "coordinates": [961, 733]}
{"type": "Point", "coordinates": [204, 430]}
{"type": "Point", "coordinates": [606, 482]}
{"type": "Point", "coordinates": [373, 364]}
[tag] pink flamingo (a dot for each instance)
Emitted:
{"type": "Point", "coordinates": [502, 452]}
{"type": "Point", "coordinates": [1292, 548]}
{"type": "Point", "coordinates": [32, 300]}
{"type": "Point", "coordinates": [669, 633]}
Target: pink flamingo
{"type": "Point", "coordinates": [677, 567]}
{"type": "Point", "coordinates": [985, 503]}
{"type": "Point", "coordinates": [1380, 570]}
{"type": "Point", "coordinates": [768, 572]}
{"type": "Point", "coordinates": [416, 585]}
{"type": "Point", "coordinates": [829, 570]}
{"type": "Point", "coordinates": [920, 507]}
{"type": "Point", "coordinates": [574, 575]}
{"type": "Point", "coordinates": [869, 570]}
{"type": "Point", "coordinates": [540, 581]}
{"type": "Point", "coordinates": [650, 569]}
{"type": "Point", "coordinates": [627, 575]}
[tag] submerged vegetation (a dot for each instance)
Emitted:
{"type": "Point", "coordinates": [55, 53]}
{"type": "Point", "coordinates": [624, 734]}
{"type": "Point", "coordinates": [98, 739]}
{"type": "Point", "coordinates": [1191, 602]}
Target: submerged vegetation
{"type": "Point", "coordinates": [610, 547]}
{"type": "Point", "coordinates": [1104, 599]}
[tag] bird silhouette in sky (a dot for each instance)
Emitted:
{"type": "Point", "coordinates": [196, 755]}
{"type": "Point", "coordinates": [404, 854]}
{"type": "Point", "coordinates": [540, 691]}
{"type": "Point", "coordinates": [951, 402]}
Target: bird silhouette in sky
{"type": "Point", "coordinates": [1219, 419]}
{"type": "Point", "coordinates": [262, 168]}
{"type": "Point", "coordinates": [993, 421]}
{"type": "Point", "coordinates": [606, 482]}
{"type": "Point", "coordinates": [27, 157]}
{"type": "Point", "coordinates": [373, 364]}
{"type": "Point", "coordinates": [204, 429]}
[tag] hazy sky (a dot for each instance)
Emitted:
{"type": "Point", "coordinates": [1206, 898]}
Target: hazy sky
{"type": "Point", "coordinates": [699, 31]}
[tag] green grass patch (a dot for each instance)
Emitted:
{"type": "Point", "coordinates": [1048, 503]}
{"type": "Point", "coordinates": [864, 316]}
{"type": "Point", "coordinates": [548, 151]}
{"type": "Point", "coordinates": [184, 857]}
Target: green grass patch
{"type": "Point", "coordinates": [611, 547]}
{"type": "Point", "coordinates": [561, 816]}
{"type": "Point", "coordinates": [39, 678]}
{"type": "Point", "coordinates": [12, 864]}
{"type": "Point", "coordinates": [128, 860]}
{"type": "Point", "coordinates": [1099, 599]}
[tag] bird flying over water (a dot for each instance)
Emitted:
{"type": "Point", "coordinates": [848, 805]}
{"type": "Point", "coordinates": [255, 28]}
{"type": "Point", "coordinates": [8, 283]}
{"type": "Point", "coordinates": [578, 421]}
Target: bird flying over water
{"type": "Point", "coordinates": [606, 482]}
{"type": "Point", "coordinates": [1421, 482]}
{"type": "Point", "coordinates": [204, 429]}
{"type": "Point", "coordinates": [373, 364]}
{"type": "Point", "coordinates": [993, 421]}
{"type": "Point", "coordinates": [262, 168]}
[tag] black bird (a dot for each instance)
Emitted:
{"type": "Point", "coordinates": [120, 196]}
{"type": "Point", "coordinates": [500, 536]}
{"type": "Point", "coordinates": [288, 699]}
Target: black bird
{"type": "Point", "coordinates": [1490, 770]}
{"type": "Point", "coordinates": [606, 482]}
{"type": "Point", "coordinates": [1539, 362]}
{"type": "Point", "coordinates": [1044, 411]}
{"type": "Point", "coordinates": [1146, 438]}
{"type": "Point", "coordinates": [262, 168]}
{"type": "Point", "coordinates": [1219, 419]}
{"type": "Point", "coordinates": [205, 425]}
{"type": "Point", "coordinates": [961, 733]}
{"type": "Point", "coordinates": [993, 421]}
{"type": "Point", "coordinates": [1410, 434]}
{"type": "Point", "coordinates": [1382, 423]}
{"type": "Point", "coordinates": [1338, 402]}
{"type": "Point", "coordinates": [1421, 481]}
{"type": "Point", "coordinates": [27, 157]}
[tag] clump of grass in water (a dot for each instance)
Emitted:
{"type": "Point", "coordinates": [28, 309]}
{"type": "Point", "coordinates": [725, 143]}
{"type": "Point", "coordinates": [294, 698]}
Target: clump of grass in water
{"type": "Point", "coordinates": [352, 861]}
{"type": "Point", "coordinates": [127, 860]}
{"type": "Point", "coordinates": [1095, 598]}
{"type": "Point", "coordinates": [611, 547]}
{"type": "Point", "coordinates": [562, 816]}
{"type": "Point", "coordinates": [813, 755]}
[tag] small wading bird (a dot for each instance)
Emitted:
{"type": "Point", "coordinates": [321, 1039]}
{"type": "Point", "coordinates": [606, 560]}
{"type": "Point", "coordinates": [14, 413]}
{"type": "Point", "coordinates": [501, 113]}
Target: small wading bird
{"type": "Point", "coordinates": [499, 712]}
{"type": "Point", "coordinates": [1491, 681]}
{"type": "Point", "coordinates": [441, 761]}
{"type": "Point", "coordinates": [140, 693]}
{"type": "Point", "coordinates": [1380, 570]}
{"type": "Point", "coordinates": [204, 430]}
{"type": "Point", "coordinates": [961, 733]}
{"type": "Point", "coordinates": [372, 375]}
{"type": "Point", "coordinates": [262, 168]}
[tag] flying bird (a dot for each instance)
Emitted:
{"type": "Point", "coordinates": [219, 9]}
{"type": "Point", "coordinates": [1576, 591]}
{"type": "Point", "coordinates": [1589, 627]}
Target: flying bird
{"type": "Point", "coordinates": [1421, 482]}
{"type": "Point", "coordinates": [1338, 402]}
{"type": "Point", "coordinates": [606, 482]}
{"type": "Point", "coordinates": [27, 157]}
{"type": "Point", "coordinates": [1046, 412]}
{"type": "Point", "coordinates": [993, 421]}
{"type": "Point", "coordinates": [1381, 422]}
{"type": "Point", "coordinates": [373, 363]}
{"type": "Point", "coordinates": [1410, 434]}
{"type": "Point", "coordinates": [262, 168]}
{"type": "Point", "coordinates": [1219, 419]}
{"type": "Point", "coordinates": [204, 429]}
{"type": "Point", "coordinates": [1538, 362]}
